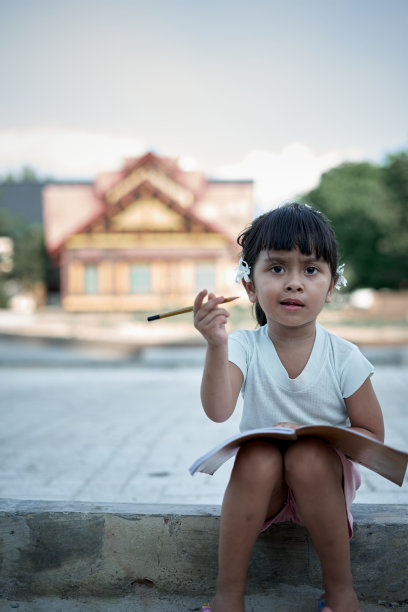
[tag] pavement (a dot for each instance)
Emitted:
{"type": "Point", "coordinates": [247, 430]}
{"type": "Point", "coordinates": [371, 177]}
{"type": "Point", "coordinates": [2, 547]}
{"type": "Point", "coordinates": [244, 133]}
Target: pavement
{"type": "Point", "coordinates": [81, 425]}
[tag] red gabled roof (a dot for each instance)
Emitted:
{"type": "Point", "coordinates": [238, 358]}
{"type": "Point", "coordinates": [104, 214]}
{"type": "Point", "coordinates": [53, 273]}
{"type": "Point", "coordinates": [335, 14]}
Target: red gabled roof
{"type": "Point", "coordinates": [189, 213]}
{"type": "Point", "coordinates": [193, 180]}
{"type": "Point", "coordinates": [71, 209]}
{"type": "Point", "coordinates": [66, 208]}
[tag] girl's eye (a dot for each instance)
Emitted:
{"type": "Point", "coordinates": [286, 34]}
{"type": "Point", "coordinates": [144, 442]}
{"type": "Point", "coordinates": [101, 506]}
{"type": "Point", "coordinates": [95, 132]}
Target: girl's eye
{"type": "Point", "coordinates": [277, 269]}
{"type": "Point", "coordinates": [310, 270]}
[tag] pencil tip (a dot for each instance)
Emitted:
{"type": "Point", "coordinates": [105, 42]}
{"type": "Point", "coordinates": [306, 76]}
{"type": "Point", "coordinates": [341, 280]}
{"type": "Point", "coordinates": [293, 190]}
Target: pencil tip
{"type": "Point", "coordinates": [153, 317]}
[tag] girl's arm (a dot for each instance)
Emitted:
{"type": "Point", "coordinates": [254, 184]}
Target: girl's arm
{"type": "Point", "coordinates": [222, 380]}
{"type": "Point", "coordinates": [365, 412]}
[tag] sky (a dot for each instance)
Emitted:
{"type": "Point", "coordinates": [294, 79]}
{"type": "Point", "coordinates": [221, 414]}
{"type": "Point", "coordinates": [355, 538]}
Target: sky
{"type": "Point", "coordinates": [264, 89]}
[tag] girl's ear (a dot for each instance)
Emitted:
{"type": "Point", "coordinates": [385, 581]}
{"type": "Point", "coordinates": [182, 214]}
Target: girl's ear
{"type": "Point", "coordinates": [250, 289]}
{"type": "Point", "coordinates": [330, 292]}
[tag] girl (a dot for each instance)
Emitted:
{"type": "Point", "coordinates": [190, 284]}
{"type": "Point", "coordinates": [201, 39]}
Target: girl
{"type": "Point", "coordinates": [291, 372]}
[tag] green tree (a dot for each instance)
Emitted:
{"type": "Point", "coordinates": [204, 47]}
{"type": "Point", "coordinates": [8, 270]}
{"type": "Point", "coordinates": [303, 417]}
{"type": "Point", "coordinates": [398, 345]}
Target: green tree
{"type": "Point", "coordinates": [29, 256]}
{"type": "Point", "coordinates": [26, 175]}
{"type": "Point", "coordinates": [365, 204]}
{"type": "Point", "coordinates": [395, 175]}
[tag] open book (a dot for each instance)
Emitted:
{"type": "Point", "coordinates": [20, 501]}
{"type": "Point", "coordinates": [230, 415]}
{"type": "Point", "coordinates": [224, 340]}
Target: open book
{"type": "Point", "coordinates": [385, 460]}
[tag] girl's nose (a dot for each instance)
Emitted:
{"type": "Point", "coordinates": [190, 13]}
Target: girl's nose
{"type": "Point", "coordinates": [294, 283]}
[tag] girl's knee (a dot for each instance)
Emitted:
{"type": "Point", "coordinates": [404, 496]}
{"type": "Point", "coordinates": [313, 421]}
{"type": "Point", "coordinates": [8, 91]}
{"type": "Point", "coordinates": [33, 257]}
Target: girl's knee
{"type": "Point", "coordinates": [311, 461]}
{"type": "Point", "coordinates": [258, 459]}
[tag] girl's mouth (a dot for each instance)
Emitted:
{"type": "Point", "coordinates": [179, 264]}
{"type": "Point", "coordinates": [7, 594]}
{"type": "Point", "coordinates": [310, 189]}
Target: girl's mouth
{"type": "Point", "coordinates": [292, 305]}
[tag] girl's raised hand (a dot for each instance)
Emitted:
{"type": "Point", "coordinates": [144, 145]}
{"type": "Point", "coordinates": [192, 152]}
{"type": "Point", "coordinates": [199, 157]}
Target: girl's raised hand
{"type": "Point", "coordinates": [210, 319]}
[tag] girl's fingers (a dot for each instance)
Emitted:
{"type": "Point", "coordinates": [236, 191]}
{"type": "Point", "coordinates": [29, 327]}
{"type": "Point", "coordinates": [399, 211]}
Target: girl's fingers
{"type": "Point", "coordinates": [205, 319]}
{"type": "Point", "coordinates": [216, 312]}
{"type": "Point", "coordinates": [201, 309]}
{"type": "Point", "coordinates": [209, 327]}
{"type": "Point", "coordinates": [198, 302]}
{"type": "Point", "coordinates": [213, 329]}
{"type": "Point", "coordinates": [209, 318]}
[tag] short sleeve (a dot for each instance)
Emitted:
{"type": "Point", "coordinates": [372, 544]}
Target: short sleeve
{"type": "Point", "coordinates": [355, 371]}
{"type": "Point", "coordinates": [238, 350]}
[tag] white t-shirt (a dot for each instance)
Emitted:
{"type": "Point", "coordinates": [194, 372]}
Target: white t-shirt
{"type": "Point", "coordinates": [335, 370]}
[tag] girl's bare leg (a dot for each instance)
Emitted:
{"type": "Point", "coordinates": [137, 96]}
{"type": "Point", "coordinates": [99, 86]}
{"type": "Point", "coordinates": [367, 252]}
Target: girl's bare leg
{"type": "Point", "coordinates": [255, 491]}
{"type": "Point", "coordinates": [314, 472]}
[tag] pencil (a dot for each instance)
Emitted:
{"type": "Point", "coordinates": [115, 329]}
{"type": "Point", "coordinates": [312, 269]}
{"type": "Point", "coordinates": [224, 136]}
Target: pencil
{"type": "Point", "coordinates": [173, 313]}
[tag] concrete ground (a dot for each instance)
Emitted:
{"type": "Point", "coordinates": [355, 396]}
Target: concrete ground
{"type": "Point", "coordinates": [78, 425]}
{"type": "Point", "coordinates": [81, 425]}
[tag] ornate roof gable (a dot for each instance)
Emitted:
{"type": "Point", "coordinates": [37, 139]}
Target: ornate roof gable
{"type": "Point", "coordinates": [149, 209]}
{"type": "Point", "coordinates": [157, 180]}
{"type": "Point", "coordinates": [159, 174]}
{"type": "Point", "coordinates": [150, 199]}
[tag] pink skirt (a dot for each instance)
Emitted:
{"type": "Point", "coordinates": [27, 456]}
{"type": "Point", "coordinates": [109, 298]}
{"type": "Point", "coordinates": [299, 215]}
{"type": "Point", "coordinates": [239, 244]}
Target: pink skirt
{"type": "Point", "coordinates": [351, 482]}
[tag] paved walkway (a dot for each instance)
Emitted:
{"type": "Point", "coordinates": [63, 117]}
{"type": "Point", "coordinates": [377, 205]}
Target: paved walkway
{"type": "Point", "coordinates": [84, 425]}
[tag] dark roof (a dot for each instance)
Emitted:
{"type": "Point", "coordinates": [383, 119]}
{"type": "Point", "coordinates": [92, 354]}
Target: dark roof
{"type": "Point", "coordinates": [22, 200]}
{"type": "Point", "coordinates": [25, 199]}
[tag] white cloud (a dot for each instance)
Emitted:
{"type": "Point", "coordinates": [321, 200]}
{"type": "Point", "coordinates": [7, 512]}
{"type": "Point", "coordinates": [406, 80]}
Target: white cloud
{"type": "Point", "coordinates": [64, 153]}
{"type": "Point", "coordinates": [189, 163]}
{"type": "Point", "coordinates": [284, 175]}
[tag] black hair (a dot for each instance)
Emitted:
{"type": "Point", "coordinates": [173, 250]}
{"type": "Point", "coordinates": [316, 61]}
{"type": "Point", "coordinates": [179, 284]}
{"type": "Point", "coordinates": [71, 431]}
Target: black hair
{"type": "Point", "coordinates": [287, 227]}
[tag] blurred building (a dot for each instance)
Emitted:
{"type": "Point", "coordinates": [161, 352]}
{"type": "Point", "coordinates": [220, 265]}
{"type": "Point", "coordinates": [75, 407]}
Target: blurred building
{"type": "Point", "coordinates": [145, 237]}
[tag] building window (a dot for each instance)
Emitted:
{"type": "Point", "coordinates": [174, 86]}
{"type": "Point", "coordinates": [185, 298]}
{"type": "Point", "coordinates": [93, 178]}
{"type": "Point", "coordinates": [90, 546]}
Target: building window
{"type": "Point", "coordinates": [205, 276]}
{"type": "Point", "coordinates": [91, 279]}
{"type": "Point", "coordinates": [140, 278]}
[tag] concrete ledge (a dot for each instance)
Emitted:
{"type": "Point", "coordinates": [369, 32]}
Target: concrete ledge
{"type": "Point", "coordinates": [69, 549]}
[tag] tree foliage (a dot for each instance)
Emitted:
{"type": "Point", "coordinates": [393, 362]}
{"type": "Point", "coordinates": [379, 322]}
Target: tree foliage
{"type": "Point", "coordinates": [26, 175]}
{"type": "Point", "coordinates": [367, 205]}
{"type": "Point", "coordinates": [29, 256]}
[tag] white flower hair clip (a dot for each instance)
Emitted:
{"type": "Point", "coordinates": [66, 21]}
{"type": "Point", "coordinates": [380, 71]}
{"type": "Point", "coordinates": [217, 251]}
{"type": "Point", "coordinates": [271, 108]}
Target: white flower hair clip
{"type": "Point", "coordinates": [341, 280]}
{"type": "Point", "coordinates": [243, 271]}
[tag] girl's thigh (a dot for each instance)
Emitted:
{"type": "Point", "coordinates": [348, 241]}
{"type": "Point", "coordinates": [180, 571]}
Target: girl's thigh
{"type": "Point", "coordinates": [314, 462]}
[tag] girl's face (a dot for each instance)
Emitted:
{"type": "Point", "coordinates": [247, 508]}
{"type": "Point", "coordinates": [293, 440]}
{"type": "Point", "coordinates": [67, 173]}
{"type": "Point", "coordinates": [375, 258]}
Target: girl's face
{"type": "Point", "coordinates": [290, 287]}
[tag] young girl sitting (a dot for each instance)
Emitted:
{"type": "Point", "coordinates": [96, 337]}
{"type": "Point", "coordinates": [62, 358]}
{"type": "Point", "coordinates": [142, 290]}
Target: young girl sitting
{"type": "Point", "coordinates": [291, 371]}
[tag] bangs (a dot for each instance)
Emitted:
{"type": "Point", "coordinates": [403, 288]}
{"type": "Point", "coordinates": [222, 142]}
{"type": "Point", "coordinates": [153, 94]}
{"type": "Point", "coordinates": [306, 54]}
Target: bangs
{"type": "Point", "coordinates": [290, 228]}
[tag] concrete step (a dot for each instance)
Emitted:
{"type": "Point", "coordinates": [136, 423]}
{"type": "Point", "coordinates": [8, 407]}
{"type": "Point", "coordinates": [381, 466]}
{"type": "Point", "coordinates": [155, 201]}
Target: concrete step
{"type": "Point", "coordinates": [282, 599]}
{"type": "Point", "coordinates": [167, 555]}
